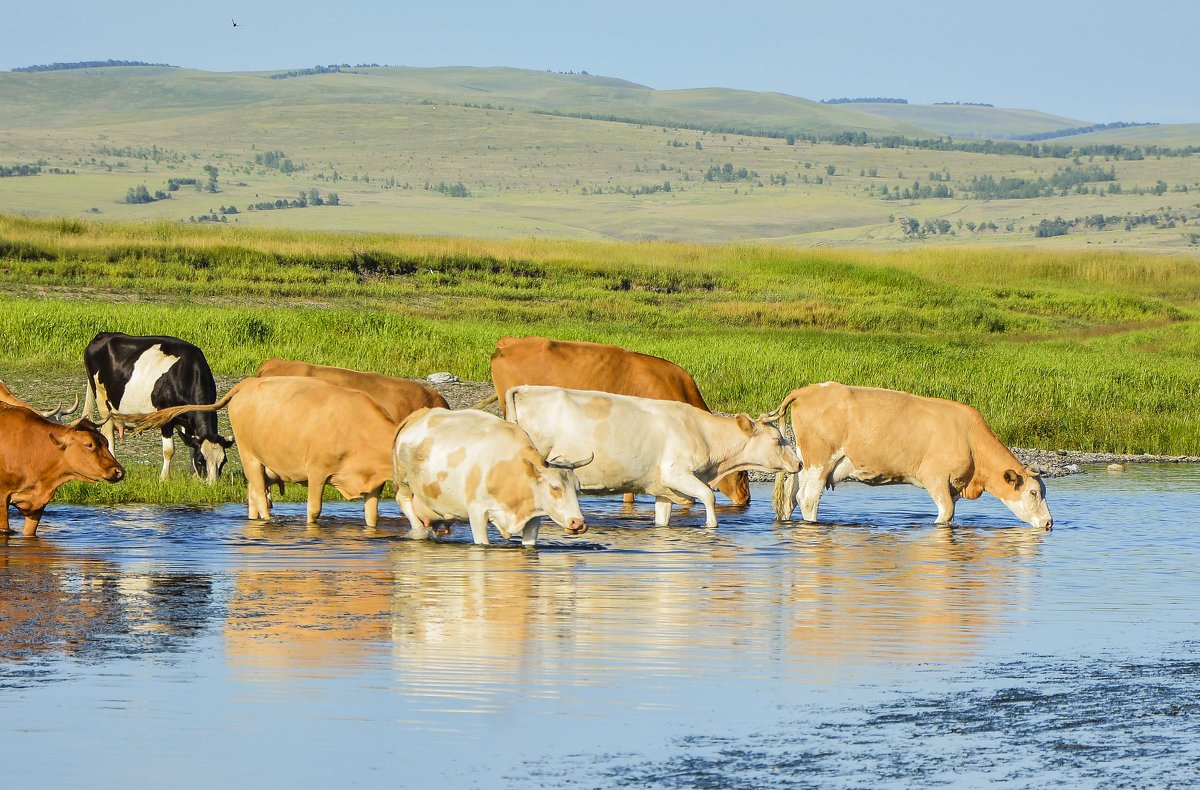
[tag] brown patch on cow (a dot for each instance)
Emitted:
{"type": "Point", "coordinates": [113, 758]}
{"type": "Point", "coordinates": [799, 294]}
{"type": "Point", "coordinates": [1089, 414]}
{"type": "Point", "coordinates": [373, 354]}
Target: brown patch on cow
{"type": "Point", "coordinates": [556, 492]}
{"type": "Point", "coordinates": [432, 490]}
{"type": "Point", "coordinates": [420, 453]}
{"type": "Point", "coordinates": [598, 408]}
{"type": "Point", "coordinates": [508, 483]}
{"type": "Point", "coordinates": [473, 479]}
{"type": "Point", "coordinates": [457, 457]}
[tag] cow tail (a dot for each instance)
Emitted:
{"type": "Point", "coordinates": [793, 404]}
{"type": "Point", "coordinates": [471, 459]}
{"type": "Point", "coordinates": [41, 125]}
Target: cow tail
{"type": "Point", "coordinates": [783, 497]}
{"type": "Point", "coordinates": [146, 422]}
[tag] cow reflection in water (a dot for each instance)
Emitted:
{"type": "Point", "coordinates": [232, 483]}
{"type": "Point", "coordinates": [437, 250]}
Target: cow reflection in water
{"type": "Point", "coordinates": [461, 623]}
{"type": "Point", "coordinates": [53, 603]}
{"type": "Point", "coordinates": [859, 594]}
{"type": "Point", "coordinates": [306, 618]}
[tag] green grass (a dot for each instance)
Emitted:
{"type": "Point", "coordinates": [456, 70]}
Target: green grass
{"type": "Point", "coordinates": [1084, 351]}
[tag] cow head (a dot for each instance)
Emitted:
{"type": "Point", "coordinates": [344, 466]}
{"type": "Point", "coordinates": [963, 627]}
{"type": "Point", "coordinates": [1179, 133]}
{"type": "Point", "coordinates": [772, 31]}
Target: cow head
{"type": "Point", "coordinates": [208, 455]}
{"type": "Point", "coordinates": [556, 493]}
{"type": "Point", "coordinates": [765, 446]}
{"type": "Point", "coordinates": [1025, 495]}
{"type": "Point", "coordinates": [85, 452]}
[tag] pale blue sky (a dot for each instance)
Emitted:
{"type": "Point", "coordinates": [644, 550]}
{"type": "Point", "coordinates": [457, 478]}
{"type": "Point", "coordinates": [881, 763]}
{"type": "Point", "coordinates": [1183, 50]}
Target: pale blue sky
{"type": "Point", "coordinates": [1095, 60]}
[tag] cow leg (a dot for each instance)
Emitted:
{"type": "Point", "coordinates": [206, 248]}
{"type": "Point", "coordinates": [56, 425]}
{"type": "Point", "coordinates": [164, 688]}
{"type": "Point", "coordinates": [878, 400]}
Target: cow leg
{"type": "Point", "coordinates": [479, 526]}
{"type": "Point", "coordinates": [371, 507]}
{"type": "Point", "coordinates": [32, 518]}
{"type": "Point", "coordinates": [628, 499]}
{"type": "Point", "coordinates": [316, 490]}
{"type": "Point", "coordinates": [690, 485]}
{"type": "Point", "coordinates": [168, 447]}
{"type": "Point", "coordinates": [258, 501]}
{"type": "Point", "coordinates": [662, 511]}
{"type": "Point", "coordinates": [417, 529]}
{"type": "Point", "coordinates": [812, 485]}
{"type": "Point", "coordinates": [944, 501]}
{"type": "Point", "coordinates": [4, 516]}
{"type": "Point", "coordinates": [106, 425]}
{"type": "Point", "coordinates": [529, 532]}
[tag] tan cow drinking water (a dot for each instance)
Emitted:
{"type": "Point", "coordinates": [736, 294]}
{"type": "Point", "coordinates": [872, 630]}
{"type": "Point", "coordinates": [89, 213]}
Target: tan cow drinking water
{"type": "Point", "coordinates": [454, 465]}
{"type": "Point", "coordinates": [880, 436]}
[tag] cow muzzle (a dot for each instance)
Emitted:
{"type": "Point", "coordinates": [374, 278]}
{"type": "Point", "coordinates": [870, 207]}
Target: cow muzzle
{"type": "Point", "coordinates": [577, 526]}
{"type": "Point", "coordinates": [117, 475]}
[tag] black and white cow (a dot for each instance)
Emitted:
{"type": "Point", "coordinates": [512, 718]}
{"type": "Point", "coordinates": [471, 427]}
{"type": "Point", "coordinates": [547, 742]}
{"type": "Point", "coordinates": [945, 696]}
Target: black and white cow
{"type": "Point", "coordinates": [128, 374]}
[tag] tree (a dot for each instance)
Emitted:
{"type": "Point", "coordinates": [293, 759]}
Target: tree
{"type": "Point", "coordinates": [138, 194]}
{"type": "Point", "coordinates": [211, 186]}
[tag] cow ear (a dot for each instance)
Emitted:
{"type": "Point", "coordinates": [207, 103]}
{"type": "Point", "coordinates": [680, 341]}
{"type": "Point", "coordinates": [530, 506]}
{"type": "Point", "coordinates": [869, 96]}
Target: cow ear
{"type": "Point", "coordinates": [59, 440]}
{"type": "Point", "coordinates": [1033, 471]}
{"type": "Point", "coordinates": [1012, 478]}
{"type": "Point", "coordinates": [745, 423]}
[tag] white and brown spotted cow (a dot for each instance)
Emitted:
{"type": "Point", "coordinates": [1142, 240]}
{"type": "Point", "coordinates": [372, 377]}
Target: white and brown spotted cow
{"type": "Point", "coordinates": [671, 450]}
{"type": "Point", "coordinates": [455, 465]}
{"type": "Point", "coordinates": [880, 436]}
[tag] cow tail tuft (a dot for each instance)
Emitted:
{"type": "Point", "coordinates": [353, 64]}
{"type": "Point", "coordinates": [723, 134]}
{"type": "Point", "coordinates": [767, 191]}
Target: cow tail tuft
{"type": "Point", "coordinates": [783, 497]}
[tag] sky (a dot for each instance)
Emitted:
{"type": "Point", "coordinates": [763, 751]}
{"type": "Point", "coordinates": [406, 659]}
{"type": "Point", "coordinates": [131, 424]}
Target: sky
{"type": "Point", "coordinates": [1093, 60]}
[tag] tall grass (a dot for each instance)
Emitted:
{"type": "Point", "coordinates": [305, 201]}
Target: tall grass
{"type": "Point", "coordinates": [1079, 351]}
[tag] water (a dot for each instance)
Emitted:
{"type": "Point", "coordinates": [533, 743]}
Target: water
{"type": "Point", "coordinates": [185, 647]}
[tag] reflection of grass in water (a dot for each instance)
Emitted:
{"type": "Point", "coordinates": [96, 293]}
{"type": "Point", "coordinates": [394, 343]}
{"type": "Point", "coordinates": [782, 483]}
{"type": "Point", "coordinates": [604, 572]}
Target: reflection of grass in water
{"type": "Point", "coordinates": [141, 484]}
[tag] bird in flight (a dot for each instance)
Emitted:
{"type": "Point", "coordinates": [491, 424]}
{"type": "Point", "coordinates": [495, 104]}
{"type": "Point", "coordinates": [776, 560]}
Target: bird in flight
{"type": "Point", "coordinates": [235, 24]}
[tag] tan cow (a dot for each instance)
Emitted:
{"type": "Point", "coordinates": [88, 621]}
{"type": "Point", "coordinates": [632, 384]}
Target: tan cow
{"type": "Point", "coordinates": [640, 445]}
{"type": "Point", "coordinates": [37, 456]}
{"type": "Point", "coordinates": [298, 429]}
{"type": "Point", "coordinates": [879, 436]}
{"type": "Point", "coordinates": [594, 366]}
{"type": "Point", "coordinates": [398, 397]}
{"type": "Point", "coordinates": [454, 465]}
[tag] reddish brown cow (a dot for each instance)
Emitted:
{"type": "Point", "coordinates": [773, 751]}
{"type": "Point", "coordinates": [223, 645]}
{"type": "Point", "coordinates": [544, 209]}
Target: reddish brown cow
{"type": "Point", "coordinates": [398, 397]}
{"type": "Point", "coordinates": [37, 456]}
{"type": "Point", "coordinates": [594, 366]}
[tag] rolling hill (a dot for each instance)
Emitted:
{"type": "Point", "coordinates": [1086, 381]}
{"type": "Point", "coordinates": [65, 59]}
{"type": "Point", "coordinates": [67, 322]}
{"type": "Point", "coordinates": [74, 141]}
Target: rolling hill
{"type": "Point", "coordinates": [504, 153]}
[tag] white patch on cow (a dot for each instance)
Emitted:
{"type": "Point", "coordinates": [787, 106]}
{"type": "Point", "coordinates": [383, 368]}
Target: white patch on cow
{"type": "Point", "coordinates": [168, 447]}
{"type": "Point", "coordinates": [214, 456]}
{"type": "Point", "coordinates": [148, 369]}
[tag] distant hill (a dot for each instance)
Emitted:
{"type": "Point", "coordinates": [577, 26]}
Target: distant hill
{"type": "Point", "coordinates": [114, 94]}
{"type": "Point", "coordinates": [971, 120]}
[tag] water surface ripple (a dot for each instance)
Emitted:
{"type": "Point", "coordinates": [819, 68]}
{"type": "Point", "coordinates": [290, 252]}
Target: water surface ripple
{"type": "Point", "coordinates": [188, 647]}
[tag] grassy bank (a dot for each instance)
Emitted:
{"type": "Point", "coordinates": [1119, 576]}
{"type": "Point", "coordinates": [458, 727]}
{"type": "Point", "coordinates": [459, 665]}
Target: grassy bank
{"type": "Point", "coordinates": [1083, 351]}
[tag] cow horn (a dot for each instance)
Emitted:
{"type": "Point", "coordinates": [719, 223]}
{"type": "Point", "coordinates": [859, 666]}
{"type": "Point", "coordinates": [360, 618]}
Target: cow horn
{"type": "Point", "coordinates": [561, 464]}
{"type": "Point", "coordinates": [58, 411]}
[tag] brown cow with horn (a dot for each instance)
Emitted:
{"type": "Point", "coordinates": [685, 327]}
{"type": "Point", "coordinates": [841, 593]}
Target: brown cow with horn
{"type": "Point", "coordinates": [37, 456]}
{"type": "Point", "coordinates": [53, 415]}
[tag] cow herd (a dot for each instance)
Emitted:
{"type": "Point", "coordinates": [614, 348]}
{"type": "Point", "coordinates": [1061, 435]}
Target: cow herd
{"type": "Point", "coordinates": [576, 417]}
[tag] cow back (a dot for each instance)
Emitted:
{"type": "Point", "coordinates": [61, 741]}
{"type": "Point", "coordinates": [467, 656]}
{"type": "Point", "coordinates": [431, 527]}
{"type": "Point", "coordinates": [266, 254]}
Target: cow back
{"type": "Point", "coordinates": [590, 366]}
{"type": "Point", "coordinates": [399, 397]}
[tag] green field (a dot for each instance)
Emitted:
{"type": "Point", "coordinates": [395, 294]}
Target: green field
{"type": "Point", "coordinates": [394, 144]}
{"type": "Point", "coordinates": [1086, 350]}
